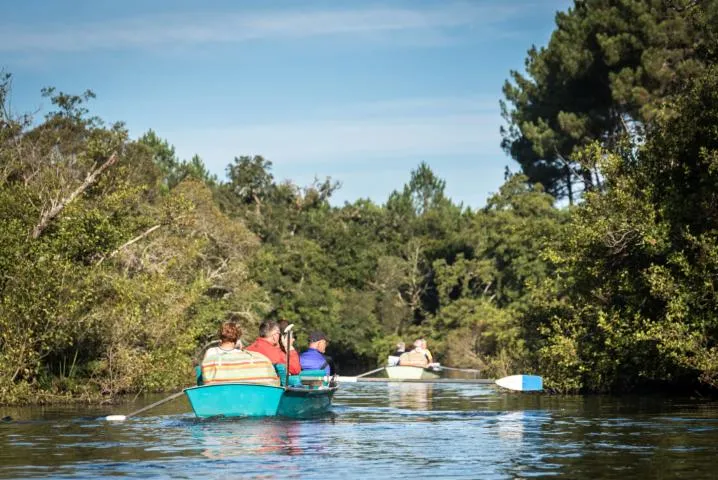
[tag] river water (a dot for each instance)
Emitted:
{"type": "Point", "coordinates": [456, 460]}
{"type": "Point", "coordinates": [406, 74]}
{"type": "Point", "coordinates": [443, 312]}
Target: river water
{"type": "Point", "coordinates": [376, 430]}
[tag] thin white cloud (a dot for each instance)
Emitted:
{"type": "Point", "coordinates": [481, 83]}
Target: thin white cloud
{"type": "Point", "coordinates": [192, 28]}
{"type": "Point", "coordinates": [330, 141]}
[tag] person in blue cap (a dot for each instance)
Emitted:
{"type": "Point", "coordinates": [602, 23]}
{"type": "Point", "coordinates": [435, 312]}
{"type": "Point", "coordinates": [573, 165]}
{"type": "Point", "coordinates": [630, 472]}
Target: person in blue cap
{"type": "Point", "coordinates": [313, 358]}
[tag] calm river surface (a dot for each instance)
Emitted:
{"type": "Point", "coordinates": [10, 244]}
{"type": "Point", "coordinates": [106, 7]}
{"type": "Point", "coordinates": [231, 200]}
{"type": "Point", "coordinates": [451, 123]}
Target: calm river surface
{"type": "Point", "coordinates": [376, 431]}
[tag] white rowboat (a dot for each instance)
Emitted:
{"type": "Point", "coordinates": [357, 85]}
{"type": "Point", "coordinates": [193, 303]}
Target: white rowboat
{"type": "Point", "coordinates": [411, 373]}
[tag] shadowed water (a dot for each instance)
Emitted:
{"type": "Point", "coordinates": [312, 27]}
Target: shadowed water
{"type": "Point", "coordinates": [376, 431]}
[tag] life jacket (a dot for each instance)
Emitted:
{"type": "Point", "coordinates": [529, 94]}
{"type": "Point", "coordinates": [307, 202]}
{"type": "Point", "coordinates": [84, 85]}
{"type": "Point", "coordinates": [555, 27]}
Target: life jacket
{"type": "Point", "coordinates": [224, 366]}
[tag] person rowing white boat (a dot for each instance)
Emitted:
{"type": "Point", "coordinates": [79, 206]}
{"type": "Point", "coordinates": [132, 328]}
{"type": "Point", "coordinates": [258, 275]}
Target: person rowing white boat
{"type": "Point", "coordinates": [416, 357]}
{"type": "Point", "coordinates": [428, 354]}
{"type": "Point", "coordinates": [394, 357]}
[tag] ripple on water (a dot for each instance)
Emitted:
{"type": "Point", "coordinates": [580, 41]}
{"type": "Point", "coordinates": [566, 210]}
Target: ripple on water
{"type": "Point", "coordinates": [377, 431]}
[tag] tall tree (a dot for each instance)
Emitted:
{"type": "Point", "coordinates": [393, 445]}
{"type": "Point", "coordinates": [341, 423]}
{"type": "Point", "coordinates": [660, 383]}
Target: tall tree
{"type": "Point", "coordinates": [607, 71]}
{"type": "Point", "coordinates": [634, 301]}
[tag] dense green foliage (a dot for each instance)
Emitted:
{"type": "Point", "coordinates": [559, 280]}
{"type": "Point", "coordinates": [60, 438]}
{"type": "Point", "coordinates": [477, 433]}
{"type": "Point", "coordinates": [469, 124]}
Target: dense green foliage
{"type": "Point", "coordinates": [108, 283]}
{"type": "Point", "coordinates": [146, 254]}
{"type": "Point", "coordinates": [607, 72]}
{"type": "Point", "coordinates": [118, 260]}
{"type": "Point", "coordinates": [634, 300]}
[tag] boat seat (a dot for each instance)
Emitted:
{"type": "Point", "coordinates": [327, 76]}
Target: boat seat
{"type": "Point", "coordinates": [294, 380]}
{"type": "Point", "coordinates": [198, 375]}
{"type": "Point", "coordinates": [313, 378]}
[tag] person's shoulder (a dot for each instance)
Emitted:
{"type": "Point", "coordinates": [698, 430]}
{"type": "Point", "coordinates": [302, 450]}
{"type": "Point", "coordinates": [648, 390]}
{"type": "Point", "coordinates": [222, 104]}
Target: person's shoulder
{"type": "Point", "coordinates": [256, 356]}
{"type": "Point", "coordinates": [309, 353]}
{"type": "Point", "coordinates": [217, 352]}
{"type": "Point", "coordinates": [212, 352]}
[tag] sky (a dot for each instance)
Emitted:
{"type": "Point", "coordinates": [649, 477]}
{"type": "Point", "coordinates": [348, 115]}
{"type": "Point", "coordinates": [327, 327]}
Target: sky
{"type": "Point", "coordinates": [359, 91]}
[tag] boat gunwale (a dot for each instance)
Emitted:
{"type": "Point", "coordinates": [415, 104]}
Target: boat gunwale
{"type": "Point", "coordinates": [223, 384]}
{"type": "Point", "coordinates": [292, 389]}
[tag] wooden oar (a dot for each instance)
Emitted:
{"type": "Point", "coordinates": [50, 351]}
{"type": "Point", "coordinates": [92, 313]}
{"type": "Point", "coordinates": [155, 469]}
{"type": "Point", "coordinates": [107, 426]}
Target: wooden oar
{"type": "Point", "coordinates": [119, 418]}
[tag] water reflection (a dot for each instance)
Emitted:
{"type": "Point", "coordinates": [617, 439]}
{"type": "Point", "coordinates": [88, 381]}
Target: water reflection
{"type": "Point", "coordinates": [414, 396]}
{"type": "Point", "coordinates": [378, 431]}
{"type": "Point", "coordinates": [231, 438]}
{"type": "Point", "coordinates": [511, 426]}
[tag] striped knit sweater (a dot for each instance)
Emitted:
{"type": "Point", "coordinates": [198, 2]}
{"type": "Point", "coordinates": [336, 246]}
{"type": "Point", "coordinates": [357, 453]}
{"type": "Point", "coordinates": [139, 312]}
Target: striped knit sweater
{"type": "Point", "coordinates": [224, 366]}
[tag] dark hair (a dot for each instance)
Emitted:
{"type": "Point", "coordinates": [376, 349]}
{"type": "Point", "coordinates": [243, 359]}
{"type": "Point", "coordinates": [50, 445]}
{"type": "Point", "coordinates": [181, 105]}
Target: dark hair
{"type": "Point", "coordinates": [229, 332]}
{"type": "Point", "coordinates": [267, 326]}
{"type": "Point", "coordinates": [317, 336]}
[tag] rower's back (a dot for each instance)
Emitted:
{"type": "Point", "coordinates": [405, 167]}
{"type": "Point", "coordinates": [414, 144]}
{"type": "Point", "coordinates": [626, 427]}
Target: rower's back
{"type": "Point", "coordinates": [237, 366]}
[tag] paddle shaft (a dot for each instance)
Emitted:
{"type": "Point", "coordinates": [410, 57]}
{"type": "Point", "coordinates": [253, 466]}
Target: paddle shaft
{"type": "Point", "coordinates": [460, 369]}
{"type": "Point", "coordinates": [164, 400]}
{"type": "Point", "coordinates": [369, 373]}
{"type": "Point", "coordinates": [289, 347]}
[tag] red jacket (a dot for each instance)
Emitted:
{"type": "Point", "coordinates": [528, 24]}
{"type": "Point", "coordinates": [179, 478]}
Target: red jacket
{"type": "Point", "coordinates": [276, 355]}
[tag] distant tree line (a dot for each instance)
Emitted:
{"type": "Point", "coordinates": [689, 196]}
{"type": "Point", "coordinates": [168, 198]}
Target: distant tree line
{"type": "Point", "coordinates": [118, 260]}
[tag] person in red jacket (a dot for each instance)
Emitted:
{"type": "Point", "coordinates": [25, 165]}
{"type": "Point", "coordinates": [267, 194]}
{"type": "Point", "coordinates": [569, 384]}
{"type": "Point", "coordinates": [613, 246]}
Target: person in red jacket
{"type": "Point", "coordinates": [268, 345]}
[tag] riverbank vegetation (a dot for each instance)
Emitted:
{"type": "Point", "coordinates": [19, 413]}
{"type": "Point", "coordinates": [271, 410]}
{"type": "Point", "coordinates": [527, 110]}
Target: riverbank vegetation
{"type": "Point", "coordinates": [595, 266]}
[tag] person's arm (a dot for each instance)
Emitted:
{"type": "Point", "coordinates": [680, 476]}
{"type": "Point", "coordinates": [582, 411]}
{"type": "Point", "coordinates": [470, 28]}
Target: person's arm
{"type": "Point", "coordinates": [330, 369]}
{"type": "Point", "coordinates": [294, 366]}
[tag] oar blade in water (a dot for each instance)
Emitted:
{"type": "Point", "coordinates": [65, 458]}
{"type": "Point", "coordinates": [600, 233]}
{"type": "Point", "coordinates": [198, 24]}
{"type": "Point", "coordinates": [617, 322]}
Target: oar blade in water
{"type": "Point", "coordinates": [115, 418]}
{"type": "Point", "coordinates": [521, 383]}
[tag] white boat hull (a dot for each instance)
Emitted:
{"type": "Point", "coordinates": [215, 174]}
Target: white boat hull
{"type": "Point", "coordinates": [411, 373]}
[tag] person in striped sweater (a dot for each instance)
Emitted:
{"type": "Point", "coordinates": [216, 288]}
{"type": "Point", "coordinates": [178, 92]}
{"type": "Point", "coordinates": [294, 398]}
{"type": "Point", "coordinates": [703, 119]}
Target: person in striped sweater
{"type": "Point", "coordinates": [227, 363]}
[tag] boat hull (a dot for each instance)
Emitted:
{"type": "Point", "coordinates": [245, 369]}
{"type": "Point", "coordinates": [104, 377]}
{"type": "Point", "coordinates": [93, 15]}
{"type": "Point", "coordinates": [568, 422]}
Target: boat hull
{"type": "Point", "coordinates": [411, 373]}
{"type": "Point", "coordinates": [303, 403]}
{"type": "Point", "coordinates": [247, 400]}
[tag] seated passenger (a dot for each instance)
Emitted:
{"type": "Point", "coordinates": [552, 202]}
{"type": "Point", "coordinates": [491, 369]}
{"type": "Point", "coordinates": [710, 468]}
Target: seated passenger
{"type": "Point", "coordinates": [227, 363]}
{"type": "Point", "coordinates": [428, 354]}
{"type": "Point", "coordinates": [268, 345]}
{"type": "Point", "coordinates": [393, 359]}
{"type": "Point", "coordinates": [414, 358]}
{"type": "Point", "coordinates": [313, 358]}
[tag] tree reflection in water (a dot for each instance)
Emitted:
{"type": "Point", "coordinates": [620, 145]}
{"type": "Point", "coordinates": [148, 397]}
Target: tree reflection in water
{"type": "Point", "coordinates": [236, 438]}
{"type": "Point", "coordinates": [414, 396]}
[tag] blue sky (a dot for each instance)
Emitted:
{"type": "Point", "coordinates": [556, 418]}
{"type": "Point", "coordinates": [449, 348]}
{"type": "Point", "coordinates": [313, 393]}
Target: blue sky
{"type": "Point", "coordinates": [360, 91]}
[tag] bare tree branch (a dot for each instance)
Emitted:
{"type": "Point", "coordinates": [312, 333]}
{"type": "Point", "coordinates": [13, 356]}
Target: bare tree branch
{"type": "Point", "coordinates": [130, 242]}
{"type": "Point", "coordinates": [58, 207]}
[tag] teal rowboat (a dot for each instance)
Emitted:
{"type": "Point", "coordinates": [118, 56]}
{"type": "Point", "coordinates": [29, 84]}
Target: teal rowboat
{"type": "Point", "coordinates": [411, 373]}
{"type": "Point", "coordinates": [247, 400]}
{"type": "Point", "coordinates": [307, 395]}
{"type": "Point", "coordinates": [234, 400]}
